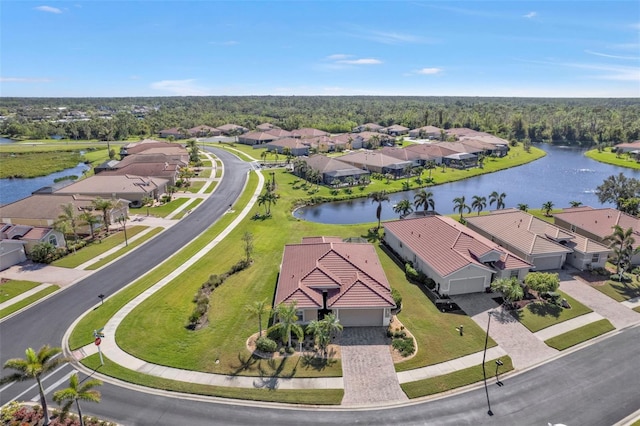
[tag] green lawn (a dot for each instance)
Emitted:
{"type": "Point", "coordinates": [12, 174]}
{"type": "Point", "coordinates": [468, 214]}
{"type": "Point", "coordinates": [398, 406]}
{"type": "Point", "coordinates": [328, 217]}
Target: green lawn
{"type": "Point", "coordinates": [20, 165]}
{"type": "Point", "coordinates": [96, 248]}
{"type": "Point", "coordinates": [579, 335]}
{"type": "Point", "coordinates": [205, 173]}
{"type": "Point", "coordinates": [219, 172]}
{"type": "Point", "coordinates": [194, 202]}
{"type": "Point", "coordinates": [456, 379]}
{"type": "Point", "coordinates": [103, 261]}
{"type": "Point", "coordinates": [207, 163]}
{"type": "Point", "coordinates": [609, 157]}
{"type": "Point", "coordinates": [162, 210]}
{"type": "Point", "coordinates": [299, 396]}
{"type": "Point", "coordinates": [637, 309]}
{"type": "Point", "coordinates": [537, 316]}
{"type": "Point", "coordinates": [210, 188]}
{"type": "Point", "coordinates": [196, 186]}
{"type": "Point", "coordinates": [13, 288]}
{"type": "Point", "coordinates": [620, 291]}
{"type": "Point", "coordinates": [29, 300]}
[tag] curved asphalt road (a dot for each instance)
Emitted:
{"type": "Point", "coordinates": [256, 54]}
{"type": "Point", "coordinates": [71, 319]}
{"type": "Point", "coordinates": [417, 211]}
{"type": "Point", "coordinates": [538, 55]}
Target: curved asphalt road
{"type": "Point", "coordinates": [598, 385]}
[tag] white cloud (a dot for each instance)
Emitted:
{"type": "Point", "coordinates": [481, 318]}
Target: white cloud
{"type": "Point", "coordinates": [530, 15]}
{"type": "Point", "coordinates": [362, 61]}
{"type": "Point", "coordinates": [224, 43]}
{"type": "Point", "coordinates": [429, 71]}
{"type": "Point", "coordinates": [181, 87]}
{"type": "Point", "coordinates": [605, 55]}
{"type": "Point", "coordinates": [48, 9]}
{"type": "Point", "coordinates": [24, 80]}
{"type": "Point", "coordinates": [337, 57]}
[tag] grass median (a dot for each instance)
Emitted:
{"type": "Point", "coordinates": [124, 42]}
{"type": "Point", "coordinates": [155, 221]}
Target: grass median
{"type": "Point", "coordinates": [579, 335]}
{"type": "Point", "coordinates": [27, 301]}
{"type": "Point", "coordinates": [456, 379]}
{"type": "Point", "coordinates": [104, 260]}
{"type": "Point", "coordinates": [96, 248]}
{"type": "Point", "coordinates": [297, 396]}
{"type": "Point", "coordinates": [539, 315]}
{"type": "Point", "coordinates": [12, 288]}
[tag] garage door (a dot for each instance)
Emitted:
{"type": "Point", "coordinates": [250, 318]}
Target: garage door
{"type": "Point", "coordinates": [360, 317]}
{"type": "Point", "coordinates": [467, 285]}
{"type": "Point", "coordinates": [546, 263]}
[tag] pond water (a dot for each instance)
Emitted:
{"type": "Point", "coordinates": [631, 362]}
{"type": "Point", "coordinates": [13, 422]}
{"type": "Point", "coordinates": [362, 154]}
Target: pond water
{"type": "Point", "coordinates": [5, 141]}
{"type": "Point", "coordinates": [15, 189]}
{"type": "Point", "coordinates": [563, 175]}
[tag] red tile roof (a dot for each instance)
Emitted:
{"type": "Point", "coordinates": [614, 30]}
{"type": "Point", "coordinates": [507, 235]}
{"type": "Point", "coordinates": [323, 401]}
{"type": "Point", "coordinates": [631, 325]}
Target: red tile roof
{"type": "Point", "coordinates": [599, 222]}
{"type": "Point", "coordinates": [350, 273]}
{"type": "Point", "coordinates": [448, 246]}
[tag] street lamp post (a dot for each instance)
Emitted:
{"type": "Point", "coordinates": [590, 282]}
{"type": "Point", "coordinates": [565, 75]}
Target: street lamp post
{"type": "Point", "coordinates": [484, 372]}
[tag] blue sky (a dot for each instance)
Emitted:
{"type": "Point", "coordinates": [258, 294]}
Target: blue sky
{"type": "Point", "coordinates": [443, 48]}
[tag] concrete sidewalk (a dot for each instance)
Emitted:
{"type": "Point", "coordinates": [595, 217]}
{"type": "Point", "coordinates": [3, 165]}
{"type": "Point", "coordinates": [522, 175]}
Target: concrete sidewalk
{"type": "Point", "coordinates": [23, 296]}
{"type": "Point", "coordinates": [565, 326]}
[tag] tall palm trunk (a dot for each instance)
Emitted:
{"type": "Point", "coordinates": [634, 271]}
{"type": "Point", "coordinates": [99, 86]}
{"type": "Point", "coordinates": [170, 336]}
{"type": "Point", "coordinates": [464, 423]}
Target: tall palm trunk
{"type": "Point", "coordinates": [43, 402]}
{"type": "Point", "coordinates": [79, 412]}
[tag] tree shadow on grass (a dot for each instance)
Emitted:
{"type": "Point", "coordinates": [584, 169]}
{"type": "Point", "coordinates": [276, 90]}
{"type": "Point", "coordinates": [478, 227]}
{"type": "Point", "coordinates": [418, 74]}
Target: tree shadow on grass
{"type": "Point", "coordinates": [318, 363]}
{"type": "Point", "coordinates": [373, 235]}
{"type": "Point", "coordinates": [269, 379]}
{"type": "Point", "coordinates": [626, 290]}
{"type": "Point", "coordinates": [245, 362]}
{"type": "Point", "coordinates": [543, 309]}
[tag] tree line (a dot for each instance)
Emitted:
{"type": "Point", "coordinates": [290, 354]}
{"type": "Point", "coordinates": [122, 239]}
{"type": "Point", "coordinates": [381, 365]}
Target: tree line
{"type": "Point", "coordinates": [569, 121]}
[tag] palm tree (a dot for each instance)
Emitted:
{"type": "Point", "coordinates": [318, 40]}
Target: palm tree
{"type": "Point", "coordinates": [287, 152]}
{"type": "Point", "coordinates": [379, 197]}
{"type": "Point", "coordinates": [460, 205]}
{"type": "Point", "coordinates": [478, 203]}
{"type": "Point", "coordinates": [497, 198]}
{"type": "Point", "coordinates": [547, 207]}
{"type": "Point", "coordinates": [105, 207]}
{"type": "Point", "coordinates": [90, 219]}
{"type": "Point", "coordinates": [257, 308]}
{"type": "Point", "coordinates": [621, 242]}
{"type": "Point", "coordinates": [146, 202]}
{"type": "Point", "coordinates": [424, 199]}
{"type": "Point", "coordinates": [404, 207]}
{"type": "Point", "coordinates": [523, 207]}
{"type": "Point", "coordinates": [430, 165]}
{"type": "Point", "coordinates": [68, 219]}
{"type": "Point", "coordinates": [263, 155]}
{"type": "Point", "coordinates": [509, 287]}
{"type": "Point", "coordinates": [77, 392]}
{"type": "Point", "coordinates": [575, 203]}
{"type": "Point", "coordinates": [267, 198]}
{"type": "Point", "coordinates": [287, 322]}
{"type": "Point", "coordinates": [322, 330]}
{"type": "Point", "coordinates": [33, 366]}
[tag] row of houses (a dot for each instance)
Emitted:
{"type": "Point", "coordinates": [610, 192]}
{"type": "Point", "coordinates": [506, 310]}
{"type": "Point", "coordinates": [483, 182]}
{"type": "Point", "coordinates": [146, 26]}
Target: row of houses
{"type": "Point", "coordinates": [146, 169]}
{"type": "Point", "coordinates": [324, 275]}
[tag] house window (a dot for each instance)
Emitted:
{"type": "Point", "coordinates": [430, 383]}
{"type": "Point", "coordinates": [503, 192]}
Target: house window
{"type": "Point", "coordinates": [573, 228]}
{"type": "Point", "coordinates": [53, 240]}
{"type": "Point", "coordinates": [514, 274]}
{"type": "Point", "coordinates": [300, 314]}
{"type": "Point", "coordinates": [595, 258]}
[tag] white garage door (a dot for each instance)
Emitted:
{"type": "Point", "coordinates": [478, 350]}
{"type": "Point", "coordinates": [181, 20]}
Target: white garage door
{"type": "Point", "coordinates": [361, 317]}
{"type": "Point", "coordinates": [466, 285]}
{"type": "Point", "coordinates": [546, 263]}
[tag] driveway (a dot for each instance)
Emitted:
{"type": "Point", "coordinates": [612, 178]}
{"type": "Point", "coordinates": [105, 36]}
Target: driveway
{"type": "Point", "coordinates": [367, 367]}
{"type": "Point", "coordinates": [522, 345]}
{"type": "Point", "coordinates": [41, 273]}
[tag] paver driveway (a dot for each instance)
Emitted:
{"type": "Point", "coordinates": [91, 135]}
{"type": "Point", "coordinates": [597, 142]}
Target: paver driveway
{"type": "Point", "coordinates": [367, 367]}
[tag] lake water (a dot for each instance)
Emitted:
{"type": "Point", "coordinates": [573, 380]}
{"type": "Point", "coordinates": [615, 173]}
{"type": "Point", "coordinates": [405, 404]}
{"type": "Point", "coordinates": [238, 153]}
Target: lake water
{"type": "Point", "coordinates": [563, 175]}
{"type": "Point", "coordinates": [15, 189]}
{"type": "Point", "coordinates": [6, 141]}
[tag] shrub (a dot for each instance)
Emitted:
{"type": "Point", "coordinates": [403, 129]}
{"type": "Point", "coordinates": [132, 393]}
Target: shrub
{"type": "Point", "coordinates": [265, 344]}
{"type": "Point", "coordinates": [397, 297]}
{"type": "Point", "coordinates": [404, 345]}
{"type": "Point", "coordinates": [290, 350]}
{"type": "Point", "coordinates": [410, 272]}
{"type": "Point", "coordinates": [281, 351]}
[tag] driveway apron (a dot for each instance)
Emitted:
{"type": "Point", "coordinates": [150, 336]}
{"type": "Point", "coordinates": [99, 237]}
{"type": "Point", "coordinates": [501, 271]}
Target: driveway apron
{"type": "Point", "coordinates": [367, 367]}
{"type": "Point", "coordinates": [524, 348]}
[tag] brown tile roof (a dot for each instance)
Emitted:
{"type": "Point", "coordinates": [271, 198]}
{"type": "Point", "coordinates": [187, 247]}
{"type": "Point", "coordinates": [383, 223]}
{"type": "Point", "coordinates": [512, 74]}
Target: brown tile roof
{"type": "Point", "coordinates": [108, 185]}
{"type": "Point", "coordinates": [630, 145]}
{"type": "Point", "coordinates": [326, 164]}
{"type": "Point", "coordinates": [599, 222]}
{"type": "Point", "coordinates": [288, 143]}
{"type": "Point", "coordinates": [458, 147]}
{"type": "Point", "coordinates": [36, 233]}
{"type": "Point", "coordinates": [161, 170]}
{"type": "Point", "coordinates": [523, 231]}
{"type": "Point", "coordinates": [396, 128]}
{"type": "Point", "coordinates": [279, 133]}
{"type": "Point", "coordinates": [229, 127]}
{"type": "Point", "coordinates": [429, 151]}
{"type": "Point", "coordinates": [428, 129]}
{"type": "Point", "coordinates": [176, 160]}
{"type": "Point", "coordinates": [373, 158]}
{"type": "Point", "coordinates": [203, 129]}
{"type": "Point", "coordinates": [265, 127]}
{"type": "Point", "coordinates": [259, 136]}
{"type": "Point", "coordinates": [448, 246]}
{"type": "Point", "coordinates": [308, 132]}
{"type": "Point", "coordinates": [350, 273]}
{"type": "Point", "coordinates": [148, 144]}
{"type": "Point", "coordinates": [401, 153]}
{"type": "Point", "coordinates": [43, 206]}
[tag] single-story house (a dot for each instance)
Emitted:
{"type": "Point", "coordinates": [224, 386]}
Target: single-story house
{"type": "Point", "coordinates": [627, 147]}
{"type": "Point", "coordinates": [597, 224]}
{"type": "Point", "coordinates": [368, 127]}
{"type": "Point", "coordinates": [308, 132]}
{"type": "Point", "coordinates": [320, 143]}
{"type": "Point", "coordinates": [174, 132]}
{"type": "Point", "coordinates": [232, 129]}
{"type": "Point", "coordinates": [169, 171]}
{"type": "Point", "coordinates": [11, 253]}
{"type": "Point", "coordinates": [127, 187]}
{"type": "Point", "coordinates": [375, 139]}
{"type": "Point", "coordinates": [429, 152]}
{"type": "Point", "coordinates": [486, 148]}
{"type": "Point", "coordinates": [265, 126]}
{"type": "Point", "coordinates": [295, 145]}
{"type": "Point", "coordinates": [403, 154]}
{"type": "Point", "coordinates": [325, 275]}
{"type": "Point", "coordinates": [154, 145]}
{"type": "Point", "coordinates": [348, 141]}
{"type": "Point", "coordinates": [462, 133]}
{"type": "Point", "coordinates": [543, 244]}
{"type": "Point", "coordinates": [43, 210]}
{"type": "Point", "coordinates": [426, 132]}
{"type": "Point", "coordinates": [32, 235]}
{"type": "Point", "coordinates": [257, 138]}
{"type": "Point", "coordinates": [332, 169]}
{"type": "Point", "coordinates": [375, 161]}
{"type": "Point", "coordinates": [456, 258]}
{"type": "Point", "coordinates": [279, 133]}
{"type": "Point", "coordinates": [461, 160]}
{"type": "Point", "coordinates": [203, 131]}
{"type": "Point", "coordinates": [395, 130]}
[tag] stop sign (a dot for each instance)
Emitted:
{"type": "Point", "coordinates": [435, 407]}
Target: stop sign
{"type": "Point", "coordinates": [98, 341]}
